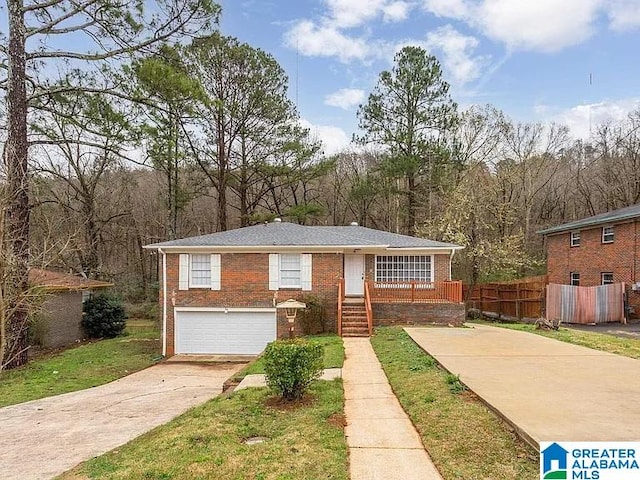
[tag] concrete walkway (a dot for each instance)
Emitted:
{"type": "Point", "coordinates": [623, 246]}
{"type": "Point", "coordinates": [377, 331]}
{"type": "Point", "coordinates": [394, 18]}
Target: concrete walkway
{"type": "Point", "coordinates": [44, 438]}
{"type": "Point", "coordinates": [383, 443]}
{"type": "Point", "coordinates": [547, 389]}
{"type": "Point", "coordinates": [260, 379]}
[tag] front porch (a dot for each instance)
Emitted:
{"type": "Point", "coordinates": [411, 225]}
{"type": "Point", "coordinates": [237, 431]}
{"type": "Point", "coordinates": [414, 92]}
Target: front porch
{"type": "Point", "coordinates": [388, 303]}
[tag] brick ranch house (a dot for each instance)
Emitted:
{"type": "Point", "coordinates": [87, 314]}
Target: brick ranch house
{"type": "Point", "coordinates": [597, 250]}
{"type": "Point", "coordinates": [219, 291]}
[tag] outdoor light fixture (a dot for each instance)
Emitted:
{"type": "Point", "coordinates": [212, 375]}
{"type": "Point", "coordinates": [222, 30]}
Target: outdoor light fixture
{"type": "Point", "coordinates": [291, 308]}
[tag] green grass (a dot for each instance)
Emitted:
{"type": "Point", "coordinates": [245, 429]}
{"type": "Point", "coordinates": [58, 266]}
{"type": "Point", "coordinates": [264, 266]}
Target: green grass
{"type": "Point", "coordinates": [304, 442]}
{"type": "Point", "coordinates": [333, 355]}
{"type": "Point", "coordinates": [463, 437]}
{"type": "Point", "coordinates": [78, 368]}
{"type": "Point", "coordinates": [629, 347]}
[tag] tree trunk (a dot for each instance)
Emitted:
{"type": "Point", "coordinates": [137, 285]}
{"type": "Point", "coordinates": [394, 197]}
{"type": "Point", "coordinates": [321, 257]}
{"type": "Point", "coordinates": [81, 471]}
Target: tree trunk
{"type": "Point", "coordinates": [411, 205]}
{"type": "Point", "coordinates": [17, 212]}
{"type": "Point", "coordinates": [222, 176]}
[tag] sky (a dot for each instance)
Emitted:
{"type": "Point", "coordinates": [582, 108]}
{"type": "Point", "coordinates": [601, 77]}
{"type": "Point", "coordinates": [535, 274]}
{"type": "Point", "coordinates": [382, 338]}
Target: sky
{"type": "Point", "coordinates": [568, 61]}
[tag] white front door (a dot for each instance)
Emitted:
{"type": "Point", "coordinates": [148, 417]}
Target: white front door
{"type": "Point", "coordinates": [354, 275]}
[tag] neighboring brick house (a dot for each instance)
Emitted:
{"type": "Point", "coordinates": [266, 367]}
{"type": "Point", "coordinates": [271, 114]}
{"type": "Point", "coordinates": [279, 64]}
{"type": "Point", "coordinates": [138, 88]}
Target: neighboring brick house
{"type": "Point", "coordinates": [596, 250]}
{"type": "Point", "coordinates": [219, 291]}
{"type": "Point", "coordinates": [60, 314]}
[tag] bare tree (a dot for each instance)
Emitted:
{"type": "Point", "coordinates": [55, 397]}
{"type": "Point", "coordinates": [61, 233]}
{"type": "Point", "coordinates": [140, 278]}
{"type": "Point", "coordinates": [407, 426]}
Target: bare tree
{"type": "Point", "coordinates": [102, 31]}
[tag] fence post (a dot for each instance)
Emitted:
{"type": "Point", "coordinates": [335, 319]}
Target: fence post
{"type": "Point", "coordinates": [499, 298]}
{"type": "Point", "coordinates": [518, 306]}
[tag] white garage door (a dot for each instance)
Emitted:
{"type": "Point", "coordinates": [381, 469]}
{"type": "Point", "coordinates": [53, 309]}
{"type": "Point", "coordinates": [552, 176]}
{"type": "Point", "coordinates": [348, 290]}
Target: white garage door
{"type": "Point", "coordinates": [231, 333]}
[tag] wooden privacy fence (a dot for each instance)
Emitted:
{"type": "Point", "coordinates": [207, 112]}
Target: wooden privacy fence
{"type": "Point", "coordinates": [524, 298]}
{"type": "Point", "coordinates": [601, 304]}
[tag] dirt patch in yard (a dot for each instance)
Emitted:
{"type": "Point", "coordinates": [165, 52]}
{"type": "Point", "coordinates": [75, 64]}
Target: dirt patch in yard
{"type": "Point", "coordinates": [337, 420]}
{"type": "Point", "coordinates": [280, 403]}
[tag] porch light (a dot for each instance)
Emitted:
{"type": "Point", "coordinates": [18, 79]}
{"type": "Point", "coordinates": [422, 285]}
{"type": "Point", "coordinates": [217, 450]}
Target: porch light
{"type": "Point", "coordinates": [291, 308]}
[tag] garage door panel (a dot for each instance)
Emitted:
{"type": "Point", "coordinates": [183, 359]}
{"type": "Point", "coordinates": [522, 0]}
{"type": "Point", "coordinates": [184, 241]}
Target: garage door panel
{"type": "Point", "coordinates": [232, 333]}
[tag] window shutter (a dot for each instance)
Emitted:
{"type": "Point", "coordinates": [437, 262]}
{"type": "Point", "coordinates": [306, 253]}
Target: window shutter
{"type": "Point", "coordinates": [183, 272]}
{"type": "Point", "coordinates": [305, 271]}
{"type": "Point", "coordinates": [215, 271]}
{"type": "Point", "coordinates": [274, 271]}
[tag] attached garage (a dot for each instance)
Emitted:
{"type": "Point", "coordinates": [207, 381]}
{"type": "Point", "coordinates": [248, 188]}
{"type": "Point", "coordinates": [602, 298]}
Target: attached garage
{"type": "Point", "coordinates": [220, 332]}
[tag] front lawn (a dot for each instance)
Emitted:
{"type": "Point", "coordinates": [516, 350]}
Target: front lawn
{"type": "Point", "coordinates": [333, 355]}
{"type": "Point", "coordinates": [463, 437]}
{"type": "Point", "coordinates": [301, 442]}
{"type": "Point", "coordinates": [85, 366]}
{"type": "Point", "coordinates": [629, 347]}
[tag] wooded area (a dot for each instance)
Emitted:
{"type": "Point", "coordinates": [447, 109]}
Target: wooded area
{"type": "Point", "coordinates": [158, 127]}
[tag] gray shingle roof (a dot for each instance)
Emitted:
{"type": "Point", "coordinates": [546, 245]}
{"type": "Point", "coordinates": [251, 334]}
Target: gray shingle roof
{"type": "Point", "coordinates": [283, 234]}
{"type": "Point", "coordinates": [613, 216]}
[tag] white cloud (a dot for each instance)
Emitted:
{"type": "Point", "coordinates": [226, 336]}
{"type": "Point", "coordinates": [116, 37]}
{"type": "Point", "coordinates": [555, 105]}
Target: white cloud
{"type": "Point", "coordinates": [539, 25]}
{"type": "Point", "coordinates": [459, 9]}
{"type": "Point", "coordinates": [353, 13]}
{"type": "Point", "coordinates": [345, 98]}
{"type": "Point", "coordinates": [326, 41]}
{"type": "Point", "coordinates": [328, 37]}
{"type": "Point", "coordinates": [542, 25]}
{"type": "Point", "coordinates": [585, 118]}
{"type": "Point", "coordinates": [334, 139]}
{"type": "Point", "coordinates": [396, 11]}
{"type": "Point", "coordinates": [623, 14]}
{"type": "Point", "coordinates": [457, 50]}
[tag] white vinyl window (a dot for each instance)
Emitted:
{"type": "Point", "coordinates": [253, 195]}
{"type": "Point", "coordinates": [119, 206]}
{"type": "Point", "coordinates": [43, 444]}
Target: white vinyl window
{"type": "Point", "coordinates": [290, 270]}
{"type": "Point", "coordinates": [608, 235]}
{"type": "Point", "coordinates": [575, 239]}
{"type": "Point", "coordinates": [606, 278]}
{"type": "Point", "coordinates": [200, 270]}
{"type": "Point", "coordinates": [574, 279]}
{"type": "Point", "coordinates": [404, 268]}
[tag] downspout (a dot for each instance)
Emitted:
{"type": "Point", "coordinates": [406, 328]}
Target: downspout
{"type": "Point", "coordinates": [164, 302]}
{"type": "Point", "coordinates": [453, 252]}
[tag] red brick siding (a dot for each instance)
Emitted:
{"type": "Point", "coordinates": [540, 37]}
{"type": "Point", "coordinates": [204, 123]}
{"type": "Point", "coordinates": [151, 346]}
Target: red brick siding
{"type": "Point", "coordinates": [593, 257]}
{"type": "Point", "coordinates": [244, 281]}
{"type": "Point", "coordinates": [418, 314]}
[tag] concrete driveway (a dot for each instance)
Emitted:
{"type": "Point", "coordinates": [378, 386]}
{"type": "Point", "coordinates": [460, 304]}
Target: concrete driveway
{"type": "Point", "coordinates": [549, 390]}
{"type": "Point", "coordinates": [43, 438]}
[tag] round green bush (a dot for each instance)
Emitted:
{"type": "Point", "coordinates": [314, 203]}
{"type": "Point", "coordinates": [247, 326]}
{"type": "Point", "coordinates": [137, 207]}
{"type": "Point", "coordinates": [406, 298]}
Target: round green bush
{"type": "Point", "coordinates": [103, 317]}
{"type": "Point", "coordinates": [291, 366]}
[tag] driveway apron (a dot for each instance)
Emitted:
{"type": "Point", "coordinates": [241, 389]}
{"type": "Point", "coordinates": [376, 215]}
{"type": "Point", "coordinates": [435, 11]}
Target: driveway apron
{"type": "Point", "coordinates": [44, 438]}
{"type": "Point", "coordinates": [547, 389]}
{"type": "Point", "coordinates": [383, 443]}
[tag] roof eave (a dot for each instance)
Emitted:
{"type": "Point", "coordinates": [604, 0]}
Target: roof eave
{"type": "Point", "coordinates": [594, 223]}
{"type": "Point", "coordinates": [306, 248]}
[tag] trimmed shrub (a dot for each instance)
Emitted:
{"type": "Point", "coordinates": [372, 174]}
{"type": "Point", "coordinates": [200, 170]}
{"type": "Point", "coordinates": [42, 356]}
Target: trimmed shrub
{"type": "Point", "coordinates": [312, 318]}
{"type": "Point", "coordinates": [103, 317]}
{"type": "Point", "coordinates": [291, 366]}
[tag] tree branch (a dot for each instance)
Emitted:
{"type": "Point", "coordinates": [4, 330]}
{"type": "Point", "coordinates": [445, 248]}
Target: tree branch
{"type": "Point", "coordinates": [71, 13]}
{"type": "Point", "coordinates": [40, 6]}
{"type": "Point", "coordinates": [156, 38]}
